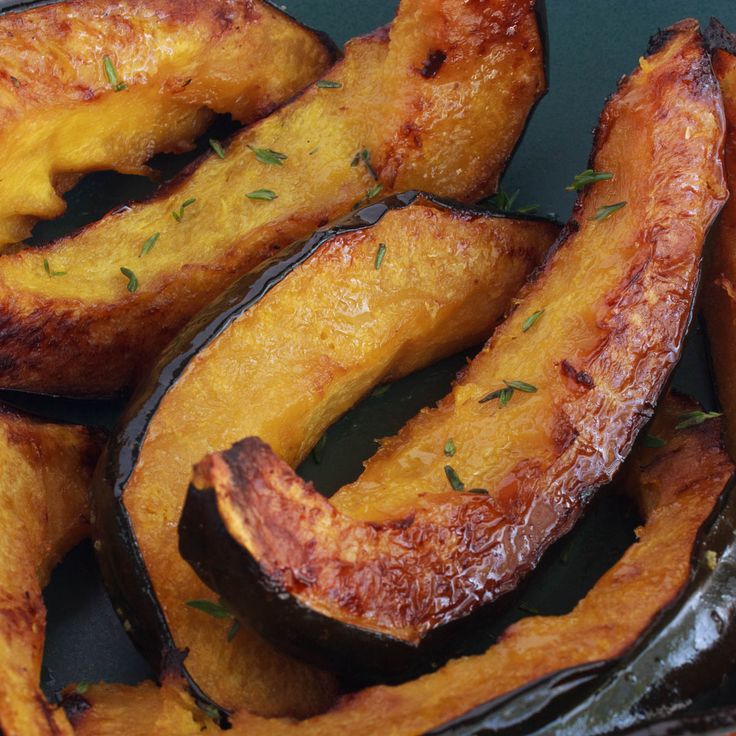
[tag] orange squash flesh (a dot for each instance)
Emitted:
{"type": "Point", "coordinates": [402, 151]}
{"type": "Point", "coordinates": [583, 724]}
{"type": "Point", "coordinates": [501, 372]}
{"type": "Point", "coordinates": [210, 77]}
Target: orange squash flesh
{"type": "Point", "coordinates": [45, 471]}
{"type": "Point", "coordinates": [617, 297]}
{"type": "Point", "coordinates": [678, 488]}
{"type": "Point", "coordinates": [61, 117]}
{"type": "Point", "coordinates": [448, 129]}
{"type": "Point", "coordinates": [719, 298]}
{"type": "Point", "coordinates": [336, 326]}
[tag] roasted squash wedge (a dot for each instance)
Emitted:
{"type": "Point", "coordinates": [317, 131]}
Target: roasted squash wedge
{"type": "Point", "coordinates": [402, 127]}
{"type": "Point", "coordinates": [45, 471]}
{"type": "Point", "coordinates": [540, 419]}
{"type": "Point", "coordinates": [719, 298]}
{"type": "Point", "coordinates": [87, 85]}
{"type": "Point", "coordinates": [389, 290]}
{"type": "Point", "coordinates": [540, 664]}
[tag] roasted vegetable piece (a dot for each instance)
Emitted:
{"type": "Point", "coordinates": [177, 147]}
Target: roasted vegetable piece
{"type": "Point", "coordinates": [45, 471]}
{"type": "Point", "coordinates": [539, 664]}
{"type": "Point", "coordinates": [540, 419]}
{"type": "Point", "coordinates": [87, 85]}
{"type": "Point", "coordinates": [719, 299]}
{"type": "Point", "coordinates": [448, 127]}
{"type": "Point", "coordinates": [283, 354]}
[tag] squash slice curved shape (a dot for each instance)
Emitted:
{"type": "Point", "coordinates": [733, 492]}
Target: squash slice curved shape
{"type": "Point", "coordinates": [65, 111]}
{"type": "Point", "coordinates": [678, 489]}
{"type": "Point", "coordinates": [45, 471]}
{"type": "Point", "coordinates": [447, 127]}
{"type": "Point", "coordinates": [394, 288]}
{"type": "Point", "coordinates": [540, 418]}
{"type": "Point", "coordinates": [719, 298]}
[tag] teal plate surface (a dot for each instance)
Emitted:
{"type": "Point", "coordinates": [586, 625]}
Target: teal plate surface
{"type": "Point", "coordinates": [592, 43]}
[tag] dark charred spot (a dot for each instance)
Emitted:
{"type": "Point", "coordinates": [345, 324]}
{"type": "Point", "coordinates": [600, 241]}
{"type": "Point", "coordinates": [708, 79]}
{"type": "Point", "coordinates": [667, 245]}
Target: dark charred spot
{"type": "Point", "coordinates": [563, 432]}
{"type": "Point", "coordinates": [75, 706]}
{"type": "Point", "coordinates": [433, 63]}
{"type": "Point", "coordinates": [580, 377]}
{"type": "Point", "coordinates": [717, 36]}
{"type": "Point", "coordinates": [659, 40]}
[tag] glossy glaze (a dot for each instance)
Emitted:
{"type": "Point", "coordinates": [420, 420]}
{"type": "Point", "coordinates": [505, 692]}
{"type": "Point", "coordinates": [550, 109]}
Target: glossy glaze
{"type": "Point", "coordinates": [45, 471]}
{"type": "Point", "coordinates": [416, 129]}
{"type": "Point", "coordinates": [541, 666]}
{"type": "Point", "coordinates": [284, 353]}
{"type": "Point", "coordinates": [364, 577]}
{"type": "Point", "coordinates": [180, 61]}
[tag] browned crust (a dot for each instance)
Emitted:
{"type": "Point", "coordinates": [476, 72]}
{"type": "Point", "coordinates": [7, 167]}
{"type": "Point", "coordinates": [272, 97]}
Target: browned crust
{"type": "Point", "coordinates": [391, 578]}
{"type": "Point", "coordinates": [44, 511]}
{"type": "Point", "coordinates": [55, 345]}
{"type": "Point", "coordinates": [679, 486]}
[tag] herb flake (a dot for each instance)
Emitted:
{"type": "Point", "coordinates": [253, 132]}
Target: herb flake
{"type": "Point", "coordinates": [586, 178]}
{"type": "Point", "coordinates": [653, 442]}
{"type": "Point", "coordinates": [526, 388]}
{"type": "Point", "coordinates": [112, 75]}
{"type": "Point", "coordinates": [694, 418]}
{"type": "Point", "coordinates": [264, 194]}
{"type": "Point", "coordinates": [269, 156]}
{"type": "Point", "coordinates": [132, 279]}
{"type": "Point", "coordinates": [531, 320]}
{"type": "Point", "coordinates": [380, 255]}
{"type": "Point", "coordinates": [179, 215]}
{"type": "Point", "coordinates": [148, 245]}
{"type": "Point", "coordinates": [49, 272]}
{"type": "Point", "coordinates": [216, 146]}
{"type": "Point", "coordinates": [605, 212]}
{"type": "Point", "coordinates": [454, 479]}
{"type": "Point", "coordinates": [329, 84]}
{"type": "Point", "coordinates": [364, 155]}
{"type": "Point", "coordinates": [81, 688]}
{"type": "Point", "coordinates": [450, 448]}
{"type": "Point", "coordinates": [233, 630]}
{"type": "Point", "coordinates": [216, 610]}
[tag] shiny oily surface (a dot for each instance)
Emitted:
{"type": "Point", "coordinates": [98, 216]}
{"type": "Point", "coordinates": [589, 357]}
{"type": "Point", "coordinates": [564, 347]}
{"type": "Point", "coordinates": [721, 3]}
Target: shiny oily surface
{"type": "Point", "coordinates": [400, 285]}
{"type": "Point", "coordinates": [720, 284]}
{"type": "Point", "coordinates": [45, 471]}
{"type": "Point", "coordinates": [447, 128]}
{"type": "Point", "coordinates": [61, 115]}
{"type": "Point", "coordinates": [409, 547]}
{"type": "Point", "coordinates": [678, 489]}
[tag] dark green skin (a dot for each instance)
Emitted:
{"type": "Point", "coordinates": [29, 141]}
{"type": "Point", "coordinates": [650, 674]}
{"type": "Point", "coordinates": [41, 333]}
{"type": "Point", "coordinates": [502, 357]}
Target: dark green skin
{"type": "Point", "coordinates": [708, 723]}
{"type": "Point", "coordinates": [686, 652]}
{"type": "Point", "coordinates": [121, 562]}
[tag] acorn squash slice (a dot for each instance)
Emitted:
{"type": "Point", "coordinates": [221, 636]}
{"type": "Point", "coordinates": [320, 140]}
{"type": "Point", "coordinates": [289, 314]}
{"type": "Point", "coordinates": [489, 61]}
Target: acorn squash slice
{"type": "Point", "coordinates": [45, 471]}
{"type": "Point", "coordinates": [719, 297]}
{"type": "Point", "coordinates": [92, 85]}
{"type": "Point", "coordinates": [393, 288]}
{"type": "Point", "coordinates": [540, 419]}
{"type": "Point", "coordinates": [540, 665]}
{"type": "Point", "coordinates": [384, 123]}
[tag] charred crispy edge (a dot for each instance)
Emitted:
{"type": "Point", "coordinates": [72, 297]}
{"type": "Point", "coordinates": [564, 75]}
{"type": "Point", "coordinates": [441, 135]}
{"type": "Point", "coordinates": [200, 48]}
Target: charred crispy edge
{"type": "Point", "coordinates": [541, 698]}
{"type": "Point", "coordinates": [202, 527]}
{"type": "Point", "coordinates": [707, 85]}
{"type": "Point", "coordinates": [329, 44]}
{"type": "Point", "coordinates": [717, 36]}
{"type": "Point", "coordinates": [123, 565]}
